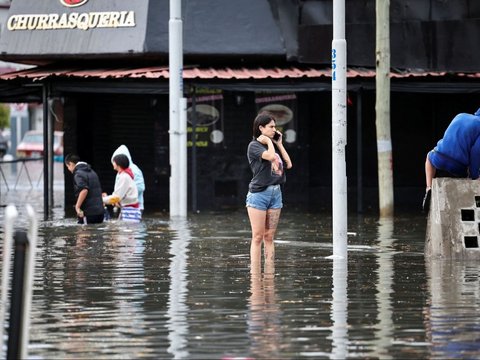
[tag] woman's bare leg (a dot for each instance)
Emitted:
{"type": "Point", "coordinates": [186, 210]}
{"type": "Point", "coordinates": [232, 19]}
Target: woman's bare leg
{"type": "Point", "coordinates": [271, 224]}
{"type": "Point", "coordinates": [257, 222]}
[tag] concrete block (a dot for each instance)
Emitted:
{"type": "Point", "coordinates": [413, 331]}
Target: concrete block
{"type": "Point", "coordinates": [453, 226]}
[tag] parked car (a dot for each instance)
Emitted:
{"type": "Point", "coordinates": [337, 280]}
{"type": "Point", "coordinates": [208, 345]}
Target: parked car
{"type": "Point", "coordinates": [32, 145]}
{"type": "Point", "coordinates": [3, 145]}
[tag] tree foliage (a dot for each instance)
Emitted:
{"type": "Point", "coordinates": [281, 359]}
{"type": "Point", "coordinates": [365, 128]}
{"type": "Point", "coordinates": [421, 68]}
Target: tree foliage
{"type": "Point", "coordinates": [4, 116]}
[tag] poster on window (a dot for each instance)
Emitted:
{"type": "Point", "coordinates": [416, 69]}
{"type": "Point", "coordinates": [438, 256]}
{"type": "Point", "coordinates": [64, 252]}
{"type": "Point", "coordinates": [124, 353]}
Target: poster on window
{"type": "Point", "coordinates": [205, 122]}
{"type": "Point", "coordinates": [283, 107]}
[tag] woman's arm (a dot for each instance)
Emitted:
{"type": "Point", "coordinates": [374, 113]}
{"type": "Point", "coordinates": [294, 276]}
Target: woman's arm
{"type": "Point", "coordinates": [283, 152]}
{"type": "Point", "coordinates": [285, 156]}
{"type": "Point", "coordinates": [270, 153]}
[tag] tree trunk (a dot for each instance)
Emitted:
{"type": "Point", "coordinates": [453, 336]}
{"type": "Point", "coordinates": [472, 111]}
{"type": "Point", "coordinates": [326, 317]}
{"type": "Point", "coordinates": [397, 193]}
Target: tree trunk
{"type": "Point", "coordinates": [384, 141]}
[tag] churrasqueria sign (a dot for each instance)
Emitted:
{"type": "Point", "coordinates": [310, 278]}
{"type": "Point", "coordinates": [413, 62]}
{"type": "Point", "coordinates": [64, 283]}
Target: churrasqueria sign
{"type": "Point", "coordinates": [72, 20]}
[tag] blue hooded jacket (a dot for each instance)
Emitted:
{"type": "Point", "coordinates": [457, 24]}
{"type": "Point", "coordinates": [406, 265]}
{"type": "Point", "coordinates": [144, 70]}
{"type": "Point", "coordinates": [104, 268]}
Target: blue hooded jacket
{"type": "Point", "coordinates": [461, 142]}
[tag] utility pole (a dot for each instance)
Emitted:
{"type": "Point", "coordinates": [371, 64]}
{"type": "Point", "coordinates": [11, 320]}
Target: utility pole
{"type": "Point", "coordinates": [339, 131]}
{"type": "Point", "coordinates": [176, 134]}
{"type": "Point", "coordinates": [384, 140]}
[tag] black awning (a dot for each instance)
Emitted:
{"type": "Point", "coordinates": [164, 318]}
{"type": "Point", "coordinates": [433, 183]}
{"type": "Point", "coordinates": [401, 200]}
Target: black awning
{"type": "Point", "coordinates": [15, 92]}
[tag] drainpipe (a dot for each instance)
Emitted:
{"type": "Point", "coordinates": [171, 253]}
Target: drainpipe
{"type": "Point", "coordinates": [194, 151]}
{"type": "Point", "coordinates": [359, 153]}
{"type": "Point", "coordinates": [47, 156]}
{"type": "Point", "coordinates": [182, 143]}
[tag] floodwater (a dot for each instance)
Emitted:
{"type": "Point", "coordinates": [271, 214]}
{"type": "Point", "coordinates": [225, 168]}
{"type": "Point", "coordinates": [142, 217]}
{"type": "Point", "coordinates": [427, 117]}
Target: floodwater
{"type": "Point", "coordinates": [175, 289]}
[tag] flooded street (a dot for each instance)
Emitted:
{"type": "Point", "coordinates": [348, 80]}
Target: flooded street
{"type": "Point", "coordinates": [183, 289]}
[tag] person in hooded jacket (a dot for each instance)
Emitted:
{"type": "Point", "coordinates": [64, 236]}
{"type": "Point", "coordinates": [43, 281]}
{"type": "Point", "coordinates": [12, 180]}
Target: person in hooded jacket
{"type": "Point", "coordinates": [87, 189]}
{"type": "Point", "coordinates": [137, 173]}
{"type": "Point", "coordinates": [457, 154]}
{"type": "Point", "coordinates": [125, 193]}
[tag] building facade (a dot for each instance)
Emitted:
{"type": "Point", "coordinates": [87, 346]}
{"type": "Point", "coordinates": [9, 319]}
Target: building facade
{"type": "Point", "coordinates": [106, 65]}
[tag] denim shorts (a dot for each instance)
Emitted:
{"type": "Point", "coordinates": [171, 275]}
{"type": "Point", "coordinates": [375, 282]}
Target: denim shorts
{"type": "Point", "coordinates": [270, 198]}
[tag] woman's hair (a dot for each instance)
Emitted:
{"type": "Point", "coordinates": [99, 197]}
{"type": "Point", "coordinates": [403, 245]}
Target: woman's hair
{"type": "Point", "coordinates": [121, 160]}
{"type": "Point", "coordinates": [262, 119]}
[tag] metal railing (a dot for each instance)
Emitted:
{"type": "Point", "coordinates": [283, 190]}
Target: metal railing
{"type": "Point", "coordinates": [23, 168]}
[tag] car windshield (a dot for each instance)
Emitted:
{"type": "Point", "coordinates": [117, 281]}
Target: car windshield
{"type": "Point", "coordinates": [38, 139]}
{"type": "Point", "coordinates": [33, 138]}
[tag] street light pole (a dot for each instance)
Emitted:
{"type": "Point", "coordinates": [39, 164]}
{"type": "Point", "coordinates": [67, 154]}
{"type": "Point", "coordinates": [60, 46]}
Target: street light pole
{"type": "Point", "coordinates": [175, 47]}
{"type": "Point", "coordinates": [339, 131]}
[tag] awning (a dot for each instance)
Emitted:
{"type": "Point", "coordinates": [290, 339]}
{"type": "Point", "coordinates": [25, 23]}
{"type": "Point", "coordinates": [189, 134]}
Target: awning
{"type": "Point", "coordinates": [26, 85]}
{"type": "Point", "coordinates": [207, 73]}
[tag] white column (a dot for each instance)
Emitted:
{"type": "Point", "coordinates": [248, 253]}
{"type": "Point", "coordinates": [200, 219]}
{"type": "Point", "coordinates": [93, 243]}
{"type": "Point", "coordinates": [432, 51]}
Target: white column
{"type": "Point", "coordinates": [175, 47]}
{"type": "Point", "coordinates": [339, 131]}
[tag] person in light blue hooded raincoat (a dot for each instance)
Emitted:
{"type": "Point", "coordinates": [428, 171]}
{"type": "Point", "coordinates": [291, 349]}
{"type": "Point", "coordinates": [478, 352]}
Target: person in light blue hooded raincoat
{"type": "Point", "coordinates": [137, 173]}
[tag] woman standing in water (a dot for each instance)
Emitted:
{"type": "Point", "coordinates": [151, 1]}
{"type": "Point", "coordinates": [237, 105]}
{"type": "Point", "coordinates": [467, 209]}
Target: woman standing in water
{"type": "Point", "coordinates": [268, 160]}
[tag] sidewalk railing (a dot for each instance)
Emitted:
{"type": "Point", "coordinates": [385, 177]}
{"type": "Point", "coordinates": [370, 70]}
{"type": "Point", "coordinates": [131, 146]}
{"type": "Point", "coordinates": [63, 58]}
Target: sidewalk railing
{"type": "Point", "coordinates": [23, 167]}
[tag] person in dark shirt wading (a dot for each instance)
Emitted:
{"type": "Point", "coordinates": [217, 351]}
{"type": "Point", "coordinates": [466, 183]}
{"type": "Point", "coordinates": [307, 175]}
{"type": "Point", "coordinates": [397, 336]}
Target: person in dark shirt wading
{"type": "Point", "coordinates": [268, 160]}
{"type": "Point", "coordinates": [87, 189]}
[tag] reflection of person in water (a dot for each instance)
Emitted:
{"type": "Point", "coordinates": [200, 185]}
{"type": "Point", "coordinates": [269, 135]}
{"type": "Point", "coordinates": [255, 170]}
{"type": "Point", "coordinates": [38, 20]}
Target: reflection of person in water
{"type": "Point", "coordinates": [129, 278]}
{"type": "Point", "coordinates": [85, 274]}
{"type": "Point", "coordinates": [450, 317]}
{"type": "Point", "coordinates": [264, 328]}
{"type": "Point", "coordinates": [104, 289]}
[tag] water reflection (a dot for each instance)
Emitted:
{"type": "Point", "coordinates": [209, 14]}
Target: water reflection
{"type": "Point", "coordinates": [97, 288]}
{"type": "Point", "coordinates": [385, 261]}
{"type": "Point", "coordinates": [264, 316]}
{"type": "Point", "coordinates": [168, 289]}
{"type": "Point", "coordinates": [177, 323]}
{"type": "Point", "coordinates": [452, 323]}
{"type": "Point", "coordinates": [339, 309]}
{"type": "Point", "coordinates": [129, 286]}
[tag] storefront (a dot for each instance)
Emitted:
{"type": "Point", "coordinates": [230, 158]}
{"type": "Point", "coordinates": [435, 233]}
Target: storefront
{"type": "Point", "coordinates": [103, 109]}
{"type": "Point", "coordinates": [106, 64]}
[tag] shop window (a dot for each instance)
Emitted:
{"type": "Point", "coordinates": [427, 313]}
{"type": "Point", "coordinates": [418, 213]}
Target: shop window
{"type": "Point", "coordinates": [226, 188]}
